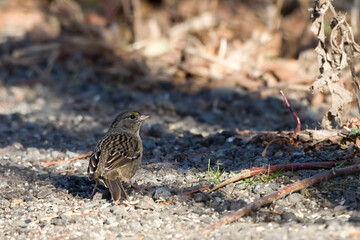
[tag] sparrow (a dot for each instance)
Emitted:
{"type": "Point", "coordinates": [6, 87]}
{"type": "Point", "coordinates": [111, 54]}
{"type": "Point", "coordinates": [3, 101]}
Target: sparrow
{"type": "Point", "coordinates": [117, 156]}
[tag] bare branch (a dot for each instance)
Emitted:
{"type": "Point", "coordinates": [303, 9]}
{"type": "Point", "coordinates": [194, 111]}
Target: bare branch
{"type": "Point", "coordinates": [335, 172]}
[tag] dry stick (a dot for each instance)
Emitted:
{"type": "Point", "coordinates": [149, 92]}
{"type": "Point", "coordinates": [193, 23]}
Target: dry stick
{"type": "Point", "coordinates": [68, 160]}
{"type": "Point", "coordinates": [335, 172]}
{"type": "Point", "coordinates": [271, 142]}
{"type": "Point", "coordinates": [194, 191]}
{"type": "Point", "coordinates": [298, 127]}
{"type": "Point", "coordinates": [296, 131]}
{"type": "Point", "coordinates": [270, 169]}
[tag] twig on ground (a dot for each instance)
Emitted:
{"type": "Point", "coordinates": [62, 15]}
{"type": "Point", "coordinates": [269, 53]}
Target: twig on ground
{"type": "Point", "coordinates": [194, 191]}
{"type": "Point", "coordinates": [298, 127]}
{"type": "Point", "coordinates": [272, 141]}
{"type": "Point", "coordinates": [296, 131]}
{"type": "Point", "coordinates": [281, 167]}
{"type": "Point", "coordinates": [306, 139]}
{"type": "Point", "coordinates": [79, 214]}
{"type": "Point", "coordinates": [335, 172]}
{"type": "Point", "coordinates": [68, 160]}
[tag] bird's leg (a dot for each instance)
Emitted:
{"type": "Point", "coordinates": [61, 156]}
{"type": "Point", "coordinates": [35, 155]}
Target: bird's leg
{"type": "Point", "coordinates": [126, 201]}
{"type": "Point", "coordinates": [124, 192]}
{"type": "Point", "coordinates": [94, 190]}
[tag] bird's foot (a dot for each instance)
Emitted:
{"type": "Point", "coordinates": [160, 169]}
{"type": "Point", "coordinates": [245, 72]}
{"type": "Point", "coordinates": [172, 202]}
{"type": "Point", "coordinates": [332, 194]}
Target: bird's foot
{"type": "Point", "coordinates": [130, 202]}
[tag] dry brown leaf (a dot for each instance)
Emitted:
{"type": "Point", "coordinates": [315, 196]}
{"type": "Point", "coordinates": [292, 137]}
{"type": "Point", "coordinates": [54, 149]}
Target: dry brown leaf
{"type": "Point", "coordinates": [332, 61]}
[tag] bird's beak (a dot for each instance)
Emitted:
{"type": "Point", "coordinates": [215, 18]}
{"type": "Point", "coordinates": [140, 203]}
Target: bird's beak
{"type": "Point", "coordinates": [143, 117]}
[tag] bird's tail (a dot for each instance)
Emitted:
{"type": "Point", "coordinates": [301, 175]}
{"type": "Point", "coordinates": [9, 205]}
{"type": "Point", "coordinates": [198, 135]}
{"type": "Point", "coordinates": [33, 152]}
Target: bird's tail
{"type": "Point", "coordinates": [116, 189]}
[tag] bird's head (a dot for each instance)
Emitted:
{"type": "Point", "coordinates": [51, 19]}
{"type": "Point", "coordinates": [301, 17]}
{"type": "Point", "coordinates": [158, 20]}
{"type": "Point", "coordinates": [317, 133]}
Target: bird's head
{"type": "Point", "coordinates": [127, 122]}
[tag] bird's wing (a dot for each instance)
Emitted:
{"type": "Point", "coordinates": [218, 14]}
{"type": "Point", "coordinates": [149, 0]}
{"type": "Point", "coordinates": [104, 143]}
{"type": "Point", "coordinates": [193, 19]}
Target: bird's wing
{"type": "Point", "coordinates": [118, 151]}
{"type": "Point", "coordinates": [93, 164]}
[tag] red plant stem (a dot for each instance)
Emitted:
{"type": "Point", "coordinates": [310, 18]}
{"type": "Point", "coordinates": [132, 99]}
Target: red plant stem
{"type": "Point", "coordinates": [272, 141]}
{"type": "Point", "coordinates": [270, 169]}
{"type": "Point", "coordinates": [335, 172]}
{"type": "Point", "coordinates": [298, 127]}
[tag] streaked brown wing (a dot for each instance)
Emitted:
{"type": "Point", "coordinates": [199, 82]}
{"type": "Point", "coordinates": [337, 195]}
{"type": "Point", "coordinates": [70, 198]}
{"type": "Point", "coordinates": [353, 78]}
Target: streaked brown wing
{"type": "Point", "coordinates": [120, 150]}
{"type": "Point", "coordinates": [93, 163]}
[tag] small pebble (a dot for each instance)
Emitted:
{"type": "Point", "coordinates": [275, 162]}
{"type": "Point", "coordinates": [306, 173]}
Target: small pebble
{"type": "Point", "coordinates": [161, 192]}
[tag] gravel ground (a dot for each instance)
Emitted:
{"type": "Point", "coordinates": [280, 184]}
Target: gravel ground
{"type": "Point", "coordinates": [43, 122]}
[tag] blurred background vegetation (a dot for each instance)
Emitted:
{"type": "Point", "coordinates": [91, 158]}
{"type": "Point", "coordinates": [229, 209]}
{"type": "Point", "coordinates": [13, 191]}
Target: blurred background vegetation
{"type": "Point", "coordinates": [259, 46]}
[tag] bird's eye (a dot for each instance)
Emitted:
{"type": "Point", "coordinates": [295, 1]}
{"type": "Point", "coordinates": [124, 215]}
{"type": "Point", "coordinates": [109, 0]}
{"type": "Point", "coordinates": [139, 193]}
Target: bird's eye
{"type": "Point", "coordinates": [132, 116]}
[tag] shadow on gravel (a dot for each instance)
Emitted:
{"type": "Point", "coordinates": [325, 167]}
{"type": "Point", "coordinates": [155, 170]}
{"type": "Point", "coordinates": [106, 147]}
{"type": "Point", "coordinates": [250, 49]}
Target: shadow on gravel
{"type": "Point", "coordinates": [14, 128]}
{"type": "Point", "coordinates": [86, 88]}
{"type": "Point", "coordinates": [24, 182]}
{"type": "Point", "coordinates": [84, 92]}
{"type": "Point", "coordinates": [205, 111]}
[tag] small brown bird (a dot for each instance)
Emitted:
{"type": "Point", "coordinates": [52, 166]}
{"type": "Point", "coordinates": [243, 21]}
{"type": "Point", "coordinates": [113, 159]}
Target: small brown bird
{"type": "Point", "coordinates": [118, 154]}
